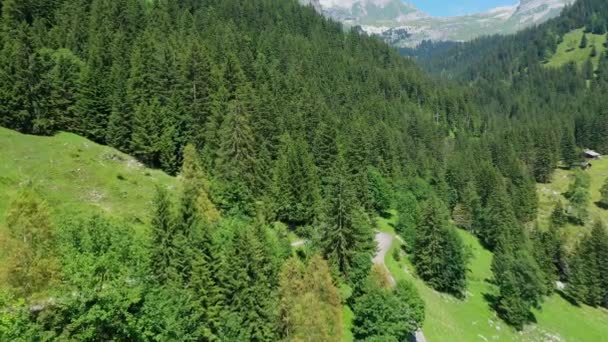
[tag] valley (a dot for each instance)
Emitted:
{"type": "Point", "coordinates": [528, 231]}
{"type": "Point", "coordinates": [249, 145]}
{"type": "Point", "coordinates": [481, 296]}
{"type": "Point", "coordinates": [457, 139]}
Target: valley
{"type": "Point", "coordinates": [279, 170]}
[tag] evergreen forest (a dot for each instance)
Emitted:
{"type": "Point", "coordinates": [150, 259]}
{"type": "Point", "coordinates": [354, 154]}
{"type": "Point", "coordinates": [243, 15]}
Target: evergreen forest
{"type": "Point", "coordinates": [283, 139]}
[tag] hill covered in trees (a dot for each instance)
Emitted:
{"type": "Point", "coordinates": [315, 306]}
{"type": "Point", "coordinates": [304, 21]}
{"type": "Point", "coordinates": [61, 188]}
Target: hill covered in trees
{"type": "Point", "coordinates": [276, 122]}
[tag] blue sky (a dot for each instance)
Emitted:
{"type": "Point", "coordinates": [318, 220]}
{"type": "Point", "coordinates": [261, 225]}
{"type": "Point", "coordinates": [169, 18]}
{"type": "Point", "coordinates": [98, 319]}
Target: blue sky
{"type": "Point", "coordinates": [458, 7]}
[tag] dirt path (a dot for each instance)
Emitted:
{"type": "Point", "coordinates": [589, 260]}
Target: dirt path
{"type": "Point", "coordinates": [298, 243]}
{"type": "Point", "coordinates": [385, 241]}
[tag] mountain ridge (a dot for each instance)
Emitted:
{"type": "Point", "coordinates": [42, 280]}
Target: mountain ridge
{"type": "Point", "coordinates": [402, 24]}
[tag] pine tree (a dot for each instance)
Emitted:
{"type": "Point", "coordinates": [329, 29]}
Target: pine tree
{"type": "Point", "coordinates": [195, 177]}
{"type": "Point", "coordinates": [588, 69]}
{"type": "Point", "coordinates": [30, 256]}
{"type": "Point", "coordinates": [250, 284]}
{"type": "Point", "coordinates": [604, 195]}
{"type": "Point", "coordinates": [237, 154]}
{"type": "Point", "coordinates": [584, 42]}
{"type": "Point", "coordinates": [588, 277]}
{"type": "Point", "coordinates": [385, 314]}
{"type": "Point", "coordinates": [120, 127]}
{"type": "Point", "coordinates": [306, 290]}
{"type": "Point", "coordinates": [345, 229]}
{"type": "Point", "coordinates": [569, 152]}
{"type": "Point", "coordinates": [379, 190]}
{"type": "Point", "coordinates": [295, 186]}
{"type": "Point", "coordinates": [16, 80]}
{"type": "Point", "coordinates": [558, 215]}
{"type": "Point", "coordinates": [520, 285]}
{"type": "Point", "coordinates": [163, 235]}
{"type": "Point", "coordinates": [438, 253]}
{"type": "Point", "coordinates": [147, 125]}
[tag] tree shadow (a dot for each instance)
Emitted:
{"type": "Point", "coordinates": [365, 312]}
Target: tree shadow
{"type": "Point", "coordinates": [601, 205]}
{"type": "Point", "coordinates": [385, 215]}
{"type": "Point", "coordinates": [493, 302]}
{"type": "Point", "coordinates": [568, 298]}
{"type": "Point", "coordinates": [491, 299]}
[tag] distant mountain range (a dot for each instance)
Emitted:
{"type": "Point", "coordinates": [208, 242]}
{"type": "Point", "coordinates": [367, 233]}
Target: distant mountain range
{"type": "Point", "coordinates": [402, 24]}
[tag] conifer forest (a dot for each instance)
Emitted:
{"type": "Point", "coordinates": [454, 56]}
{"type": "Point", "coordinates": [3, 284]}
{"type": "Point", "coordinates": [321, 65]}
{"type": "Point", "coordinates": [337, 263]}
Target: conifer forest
{"type": "Point", "coordinates": [270, 174]}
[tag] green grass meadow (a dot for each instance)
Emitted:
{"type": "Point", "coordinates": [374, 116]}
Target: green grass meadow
{"type": "Point", "coordinates": [471, 319]}
{"type": "Point", "coordinates": [73, 173]}
{"type": "Point", "coordinates": [569, 50]}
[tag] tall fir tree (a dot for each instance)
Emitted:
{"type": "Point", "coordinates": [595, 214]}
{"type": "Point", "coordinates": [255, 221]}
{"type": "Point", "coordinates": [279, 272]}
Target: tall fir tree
{"type": "Point", "coordinates": [295, 185]}
{"type": "Point", "coordinates": [163, 246]}
{"type": "Point", "coordinates": [345, 229]}
{"type": "Point", "coordinates": [588, 277]}
{"type": "Point", "coordinates": [438, 252]}
{"type": "Point", "coordinates": [237, 154]}
{"type": "Point", "coordinates": [30, 255]}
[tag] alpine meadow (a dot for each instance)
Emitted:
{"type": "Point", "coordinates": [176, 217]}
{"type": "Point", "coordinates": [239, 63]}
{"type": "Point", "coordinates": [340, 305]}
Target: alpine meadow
{"type": "Point", "coordinates": [256, 170]}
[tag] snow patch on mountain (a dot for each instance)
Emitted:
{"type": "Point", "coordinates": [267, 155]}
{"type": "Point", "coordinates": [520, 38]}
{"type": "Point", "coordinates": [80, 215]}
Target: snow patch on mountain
{"type": "Point", "coordinates": [402, 24]}
{"type": "Point", "coordinates": [351, 3]}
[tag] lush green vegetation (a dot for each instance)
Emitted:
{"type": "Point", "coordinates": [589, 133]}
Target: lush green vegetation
{"type": "Point", "coordinates": [277, 123]}
{"type": "Point", "coordinates": [471, 317]}
{"type": "Point", "coordinates": [75, 174]}
{"type": "Point", "coordinates": [569, 50]}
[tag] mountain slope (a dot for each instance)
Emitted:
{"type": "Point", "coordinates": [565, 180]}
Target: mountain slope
{"type": "Point", "coordinates": [472, 320]}
{"type": "Point", "coordinates": [402, 24]}
{"type": "Point", "coordinates": [74, 173]}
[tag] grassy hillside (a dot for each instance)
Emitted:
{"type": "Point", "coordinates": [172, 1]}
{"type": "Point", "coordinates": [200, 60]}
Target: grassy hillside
{"type": "Point", "coordinates": [71, 172]}
{"type": "Point", "coordinates": [569, 50]}
{"type": "Point", "coordinates": [550, 194]}
{"type": "Point", "coordinates": [472, 319]}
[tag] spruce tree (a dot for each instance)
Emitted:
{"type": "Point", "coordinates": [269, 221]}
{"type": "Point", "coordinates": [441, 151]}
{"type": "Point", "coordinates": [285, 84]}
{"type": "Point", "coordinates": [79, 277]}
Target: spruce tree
{"type": "Point", "coordinates": [604, 195]}
{"type": "Point", "coordinates": [558, 215]}
{"type": "Point", "coordinates": [16, 79]}
{"type": "Point", "coordinates": [195, 77]}
{"type": "Point", "coordinates": [547, 251]}
{"type": "Point", "coordinates": [30, 255]}
{"type": "Point", "coordinates": [163, 236]}
{"type": "Point", "coordinates": [120, 120]}
{"type": "Point", "coordinates": [147, 125]}
{"type": "Point", "coordinates": [496, 220]}
{"type": "Point", "coordinates": [438, 252]}
{"type": "Point", "coordinates": [237, 154]}
{"type": "Point", "coordinates": [379, 190]}
{"type": "Point", "coordinates": [345, 229]}
{"type": "Point", "coordinates": [385, 314]}
{"type": "Point", "coordinates": [295, 186]}
{"type": "Point", "coordinates": [588, 69]}
{"type": "Point", "coordinates": [251, 278]}
{"type": "Point", "coordinates": [569, 152]}
{"type": "Point", "coordinates": [520, 286]}
{"type": "Point", "coordinates": [578, 196]}
{"type": "Point", "coordinates": [92, 105]}
{"type": "Point", "coordinates": [309, 289]}
{"type": "Point", "coordinates": [588, 277]}
{"type": "Point", "coordinates": [584, 42]}
{"type": "Point", "coordinates": [195, 177]}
